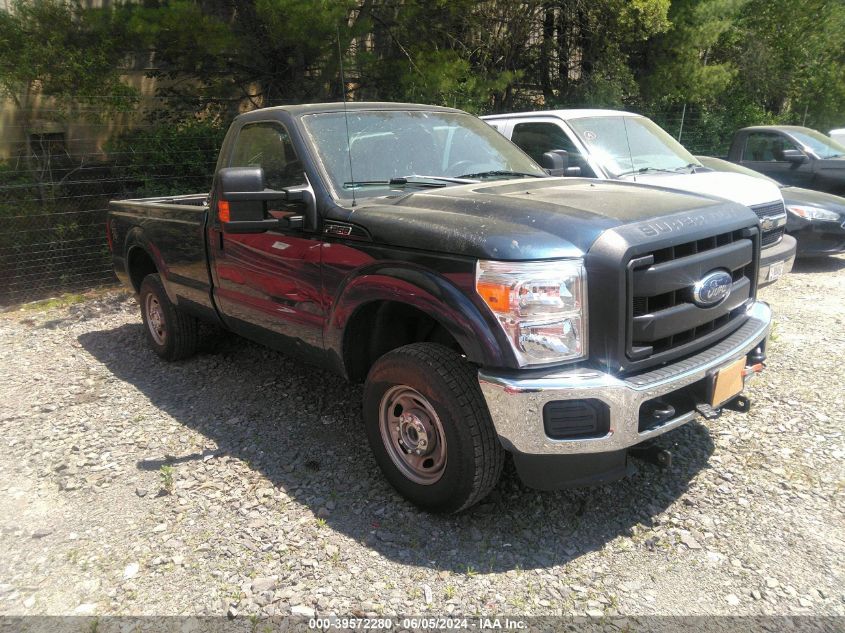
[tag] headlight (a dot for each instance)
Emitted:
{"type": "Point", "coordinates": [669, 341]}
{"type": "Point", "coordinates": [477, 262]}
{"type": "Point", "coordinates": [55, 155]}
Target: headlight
{"type": "Point", "coordinates": [814, 213]}
{"type": "Point", "coordinates": [541, 306]}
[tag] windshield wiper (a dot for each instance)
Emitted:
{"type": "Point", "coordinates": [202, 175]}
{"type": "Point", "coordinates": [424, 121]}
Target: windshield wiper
{"type": "Point", "coordinates": [403, 181]}
{"type": "Point", "coordinates": [691, 167]}
{"type": "Point", "coordinates": [645, 170]}
{"type": "Point", "coordinates": [417, 179]}
{"type": "Point", "coordinates": [501, 172]}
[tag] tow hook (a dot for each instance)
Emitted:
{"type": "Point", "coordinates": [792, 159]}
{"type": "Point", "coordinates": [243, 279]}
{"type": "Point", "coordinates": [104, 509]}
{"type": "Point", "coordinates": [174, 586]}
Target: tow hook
{"type": "Point", "coordinates": [652, 454]}
{"type": "Point", "coordinates": [757, 357]}
{"type": "Point", "coordinates": [656, 412]}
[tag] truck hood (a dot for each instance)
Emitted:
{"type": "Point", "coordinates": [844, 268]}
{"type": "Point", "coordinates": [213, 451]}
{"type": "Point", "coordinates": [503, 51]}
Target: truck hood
{"type": "Point", "coordinates": [740, 188]}
{"type": "Point", "coordinates": [530, 219]}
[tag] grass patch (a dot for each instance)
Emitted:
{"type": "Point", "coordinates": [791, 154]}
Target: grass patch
{"type": "Point", "coordinates": [63, 300]}
{"type": "Point", "coordinates": [165, 474]}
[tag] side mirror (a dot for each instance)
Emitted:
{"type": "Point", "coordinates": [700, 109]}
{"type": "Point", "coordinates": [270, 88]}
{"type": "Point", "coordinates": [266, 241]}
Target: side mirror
{"type": "Point", "coordinates": [555, 162]}
{"type": "Point", "coordinates": [795, 156]}
{"type": "Point", "coordinates": [242, 202]}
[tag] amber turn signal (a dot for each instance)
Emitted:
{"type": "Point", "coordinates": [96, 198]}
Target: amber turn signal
{"type": "Point", "coordinates": [223, 210]}
{"type": "Point", "coordinates": [496, 296]}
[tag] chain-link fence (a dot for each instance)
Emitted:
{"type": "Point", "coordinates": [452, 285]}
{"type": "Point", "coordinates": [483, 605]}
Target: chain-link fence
{"type": "Point", "coordinates": [55, 186]}
{"type": "Point", "coordinates": [53, 236]}
{"type": "Point", "coordinates": [56, 181]}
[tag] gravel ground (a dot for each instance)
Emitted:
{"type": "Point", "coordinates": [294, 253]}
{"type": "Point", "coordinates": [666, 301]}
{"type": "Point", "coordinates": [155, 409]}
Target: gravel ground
{"type": "Point", "coordinates": [239, 482]}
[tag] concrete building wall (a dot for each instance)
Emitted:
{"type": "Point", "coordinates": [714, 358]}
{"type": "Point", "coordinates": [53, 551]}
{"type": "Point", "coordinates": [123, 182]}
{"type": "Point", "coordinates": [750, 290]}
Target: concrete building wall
{"type": "Point", "coordinates": [83, 134]}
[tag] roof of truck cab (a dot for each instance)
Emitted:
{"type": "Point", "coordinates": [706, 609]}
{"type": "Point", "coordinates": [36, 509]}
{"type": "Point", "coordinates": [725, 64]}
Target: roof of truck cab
{"type": "Point", "coordinates": [351, 106]}
{"type": "Point", "coordinates": [577, 113]}
{"type": "Point", "coordinates": [775, 128]}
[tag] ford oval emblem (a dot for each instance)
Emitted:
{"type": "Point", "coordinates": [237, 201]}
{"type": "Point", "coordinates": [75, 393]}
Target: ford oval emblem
{"type": "Point", "coordinates": [712, 289]}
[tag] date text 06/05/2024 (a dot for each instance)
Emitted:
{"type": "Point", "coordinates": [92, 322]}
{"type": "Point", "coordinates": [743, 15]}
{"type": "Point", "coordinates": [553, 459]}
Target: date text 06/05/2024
{"type": "Point", "coordinates": [429, 623]}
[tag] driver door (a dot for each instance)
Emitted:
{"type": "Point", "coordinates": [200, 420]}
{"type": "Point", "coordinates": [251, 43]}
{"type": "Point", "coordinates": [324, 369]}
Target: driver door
{"type": "Point", "coordinates": [268, 285]}
{"type": "Point", "coordinates": [763, 152]}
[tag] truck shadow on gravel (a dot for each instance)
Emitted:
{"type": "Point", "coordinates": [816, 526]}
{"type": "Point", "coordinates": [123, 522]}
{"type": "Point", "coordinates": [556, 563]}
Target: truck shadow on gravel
{"type": "Point", "coordinates": [301, 428]}
{"type": "Point", "coordinates": [818, 265]}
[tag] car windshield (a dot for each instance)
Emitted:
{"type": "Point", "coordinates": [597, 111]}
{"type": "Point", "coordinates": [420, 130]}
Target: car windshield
{"type": "Point", "coordinates": [397, 148]}
{"type": "Point", "coordinates": [821, 145]}
{"type": "Point", "coordinates": [630, 145]}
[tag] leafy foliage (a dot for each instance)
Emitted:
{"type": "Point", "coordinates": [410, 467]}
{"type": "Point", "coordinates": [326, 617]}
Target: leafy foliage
{"type": "Point", "coordinates": [167, 158]}
{"type": "Point", "coordinates": [65, 51]}
{"type": "Point", "coordinates": [727, 61]}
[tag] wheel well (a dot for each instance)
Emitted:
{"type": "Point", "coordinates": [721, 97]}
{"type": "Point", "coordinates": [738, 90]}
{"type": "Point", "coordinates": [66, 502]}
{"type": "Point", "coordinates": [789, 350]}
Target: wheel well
{"type": "Point", "coordinates": [382, 326]}
{"type": "Point", "coordinates": [139, 265]}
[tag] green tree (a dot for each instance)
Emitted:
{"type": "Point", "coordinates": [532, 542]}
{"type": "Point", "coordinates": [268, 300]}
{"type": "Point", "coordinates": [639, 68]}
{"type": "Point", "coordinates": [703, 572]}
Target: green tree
{"type": "Point", "coordinates": [678, 66]}
{"type": "Point", "coordinates": [791, 58]}
{"type": "Point", "coordinates": [62, 50]}
{"type": "Point", "coordinates": [225, 54]}
{"type": "Point", "coordinates": [589, 49]}
{"type": "Point", "coordinates": [166, 158]}
{"type": "Point", "coordinates": [458, 53]}
{"type": "Point", "coordinates": [73, 56]}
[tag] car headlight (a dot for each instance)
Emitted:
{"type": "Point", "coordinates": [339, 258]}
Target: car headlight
{"type": "Point", "coordinates": [814, 213]}
{"type": "Point", "coordinates": [541, 306]}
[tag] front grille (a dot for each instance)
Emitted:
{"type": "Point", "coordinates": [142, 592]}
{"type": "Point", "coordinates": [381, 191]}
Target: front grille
{"type": "Point", "coordinates": [773, 211]}
{"type": "Point", "coordinates": [663, 318]}
{"type": "Point", "coordinates": [772, 237]}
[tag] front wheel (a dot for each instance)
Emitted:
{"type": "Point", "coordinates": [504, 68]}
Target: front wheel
{"type": "Point", "coordinates": [429, 428]}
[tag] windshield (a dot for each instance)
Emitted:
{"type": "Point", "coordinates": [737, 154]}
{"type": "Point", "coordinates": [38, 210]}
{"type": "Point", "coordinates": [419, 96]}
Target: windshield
{"type": "Point", "coordinates": [411, 147]}
{"type": "Point", "coordinates": [821, 145]}
{"type": "Point", "coordinates": [630, 145]}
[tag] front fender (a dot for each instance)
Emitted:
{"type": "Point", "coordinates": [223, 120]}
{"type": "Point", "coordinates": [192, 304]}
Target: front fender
{"type": "Point", "coordinates": [446, 300]}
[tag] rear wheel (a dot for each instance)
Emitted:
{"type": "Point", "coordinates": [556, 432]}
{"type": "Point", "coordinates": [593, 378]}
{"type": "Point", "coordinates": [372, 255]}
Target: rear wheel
{"type": "Point", "coordinates": [429, 428]}
{"type": "Point", "coordinates": [170, 332]}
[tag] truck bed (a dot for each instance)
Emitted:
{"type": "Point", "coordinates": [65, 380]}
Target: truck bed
{"type": "Point", "coordinates": [163, 202]}
{"type": "Point", "coordinates": [170, 229]}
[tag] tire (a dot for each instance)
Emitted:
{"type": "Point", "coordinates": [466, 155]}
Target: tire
{"type": "Point", "coordinates": [415, 397]}
{"type": "Point", "coordinates": [170, 332]}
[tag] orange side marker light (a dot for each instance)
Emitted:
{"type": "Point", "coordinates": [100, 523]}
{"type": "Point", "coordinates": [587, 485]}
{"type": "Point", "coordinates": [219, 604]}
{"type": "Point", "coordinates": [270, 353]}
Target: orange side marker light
{"type": "Point", "coordinates": [223, 210]}
{"type": "Point", "coordinates": [496, 296]}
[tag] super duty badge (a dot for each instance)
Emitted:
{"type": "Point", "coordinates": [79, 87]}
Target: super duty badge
{"type": "Point", "coordinates": [653, 229]}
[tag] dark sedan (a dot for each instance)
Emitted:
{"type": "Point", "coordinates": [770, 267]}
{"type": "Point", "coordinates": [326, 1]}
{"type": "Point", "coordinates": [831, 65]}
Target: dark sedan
{"type": "Point", "coordinates": [814, 218]}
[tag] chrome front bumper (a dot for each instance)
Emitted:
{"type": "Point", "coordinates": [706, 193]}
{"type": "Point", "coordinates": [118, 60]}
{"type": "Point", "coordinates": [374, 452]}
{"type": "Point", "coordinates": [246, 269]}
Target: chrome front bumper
{"type": "Point", "coordinates": [516, 403]}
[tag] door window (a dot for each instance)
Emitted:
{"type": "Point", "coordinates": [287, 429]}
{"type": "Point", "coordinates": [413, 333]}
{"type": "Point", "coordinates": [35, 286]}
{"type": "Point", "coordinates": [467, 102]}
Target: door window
{"type": "Point", "coordinates": [536, 139]}
{"type": "Point", "coordinates": [766, 147]}
{"type": "Point", "coordinates": [268, 145]}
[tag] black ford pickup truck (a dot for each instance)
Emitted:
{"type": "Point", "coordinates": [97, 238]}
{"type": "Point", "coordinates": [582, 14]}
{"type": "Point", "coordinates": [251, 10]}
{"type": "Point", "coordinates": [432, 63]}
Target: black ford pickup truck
{"type": "Point", "coordinates": [793, 155]}
{"type": "Point", "coordinates": [487, 306]}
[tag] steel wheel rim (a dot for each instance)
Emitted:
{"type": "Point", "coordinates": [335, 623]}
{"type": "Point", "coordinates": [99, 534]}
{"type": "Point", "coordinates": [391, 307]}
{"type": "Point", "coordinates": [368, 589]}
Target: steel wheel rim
{"type": "Point", "coordinates": [413, 435]}
{"type": "Point", "coordinates": [155, 319]}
